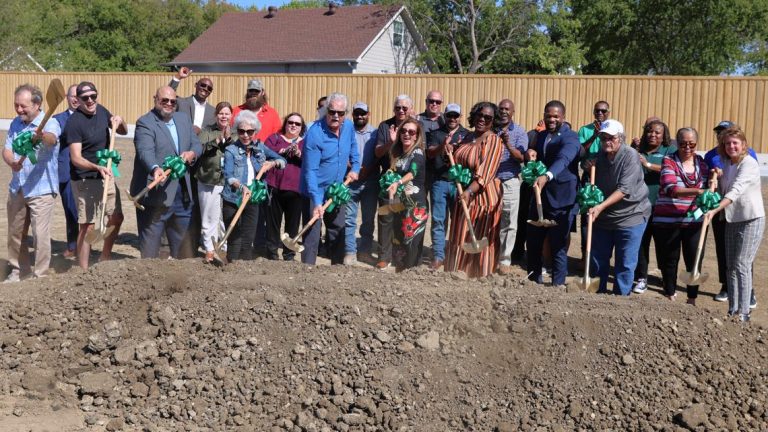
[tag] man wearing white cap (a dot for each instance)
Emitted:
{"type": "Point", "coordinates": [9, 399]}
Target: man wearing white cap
{"type": "Point", "coordinates": [620, 220]}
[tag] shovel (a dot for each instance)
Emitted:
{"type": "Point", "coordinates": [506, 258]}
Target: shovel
{"type": "Point", "coordinates": [587, 284]}
{"type": "Point", "coordinates": [541, 222]}
{"type": "Point", "coordinates": [140, 195]}
{"type": "Point", "coordinates": [293, 243]}
{"type": "Point", "coordinates": [475, 246]}
{"type": "Point", "coordinates": [53, 97]}
{"type": "Point", "coordinates": [95, 236]}
{"type": "Point", "coordinates": [696, 277]}
{"type": "Point", "coordinates": [392, 206]}
{"type": "Point", "coordinates": [218, 254]}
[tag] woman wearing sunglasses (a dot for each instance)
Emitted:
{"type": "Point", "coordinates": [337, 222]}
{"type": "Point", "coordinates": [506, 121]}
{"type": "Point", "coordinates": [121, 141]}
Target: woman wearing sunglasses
{"type": "Point", "coordinates": [407, 159]}
{"type": "Point", "coordinates": [285, 199]}
{"type": "Point", "coordinates": [210, 181]}
{"type": "Point", "coordinates": [480, 152]}
{"type": "Point", "coordinates": [683, 177]}
{"type": "Point", "coordinates": [242, 161]}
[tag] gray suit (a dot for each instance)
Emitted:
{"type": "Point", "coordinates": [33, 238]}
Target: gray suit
{"type": "Point", "coordinates": [153, 142]}
{"type": "Point", "coordinates": [187, 105]}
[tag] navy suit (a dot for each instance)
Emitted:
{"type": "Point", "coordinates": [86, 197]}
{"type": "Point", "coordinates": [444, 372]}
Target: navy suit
{"type": "Point", "coordinates": [561, 157]}
{"type": "Point", "coordinates": [169, 206]}
{"type": "Point", "coordinates": [65, 188]}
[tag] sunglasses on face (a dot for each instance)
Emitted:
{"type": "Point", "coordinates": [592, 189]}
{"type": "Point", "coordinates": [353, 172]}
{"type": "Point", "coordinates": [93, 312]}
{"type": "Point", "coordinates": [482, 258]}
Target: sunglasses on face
{"type": "Point", "coordinates": [86, 98]}
{"type": "Point", "coordinates": [166, 101]}
{"type": "Point", "coordinates": [293, 123]}
{"type": "Point", "coordinates": [205, 86]}
{"type": "Point", "coordinates": [409, 132]}
{"type": "Point", "coordinates": [452, 115]}
{"type": "Point", "coordinates": [336, 113]}
{"type": "Point", "coordinates": [434, 102]}
{"type": "Point", "coordinates": [248, 132]}
{"type": "Point", "coordinates": [687, 144]}
{"type": "Point", "coordinates": [486, 117]}
{"type": "Point", "coordinates": [601, 111]}
{"type": "Point", "coordinates": [401, 108]}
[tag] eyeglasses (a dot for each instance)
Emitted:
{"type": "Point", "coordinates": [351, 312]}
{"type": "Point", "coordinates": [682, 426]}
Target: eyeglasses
{"type": "Point", "coordinates": [452, 115]}
{"type": "Point", "coordinates": [91, 97]}
{"type": "Point", "coordinates": [606, 137]}
{"type": "Point", "coordinates": [205, 86]}
{"type": "Point", "coordinates": [434, 102]}
{"type": "Point", "coordinates": [166, 101]}
{"type": "Point", "coordinates": [293, 123]}
{"type": "Point", "coordinates": [336, 113]}
{"type": "Point", "coordinates": [685, 144]}
{"type": "Point", "coordinates": [248, 132]}
{"type": "Point", "coordinates": [602, 111]}
{"type": "Point", "coordinates": [410, 132]}
{"type": "Point", "coordinates": [486, 117]}
{"type": "Point", "coordinates": [401, 108]}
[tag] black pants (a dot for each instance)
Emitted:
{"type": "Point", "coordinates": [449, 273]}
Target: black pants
{"type": "Point", "coordinates": [284, 203]}
{"type": "Point", "coordinates": [386, 234]}
{"type": "Point", "coordinates": [518, 252]}
{"type": "Point", "coordinates": [669, 240]}
{"type": "Point", "coordinates": [334, 233]}
{"type": "Point", "coordinates": [643, 256]}
{"type": "Point", "coordinates": [239, 242]}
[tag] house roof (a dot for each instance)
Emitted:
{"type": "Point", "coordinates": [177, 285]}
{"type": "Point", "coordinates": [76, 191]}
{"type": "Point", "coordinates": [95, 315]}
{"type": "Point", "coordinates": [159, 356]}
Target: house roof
{"type": "Point", "coordinates": [290, 36]}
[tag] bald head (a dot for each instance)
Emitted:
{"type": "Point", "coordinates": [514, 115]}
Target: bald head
{"type": "Point", "coordinates": [165, 102]}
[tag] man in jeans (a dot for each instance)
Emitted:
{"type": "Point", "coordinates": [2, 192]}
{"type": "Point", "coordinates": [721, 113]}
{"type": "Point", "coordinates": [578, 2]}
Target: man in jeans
{"type": "Point", "coordinates": [515, 142]}
{"type": "Point", "coordinates": [363, 192]}
{"type": "Point", "coordinates": [34, 183]}
{"type": "Point", "coordinates": [443, 191]}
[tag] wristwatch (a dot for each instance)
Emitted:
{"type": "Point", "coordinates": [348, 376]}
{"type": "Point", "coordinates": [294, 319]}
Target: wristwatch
{"type": "Point", "coordinates": [647, 164]}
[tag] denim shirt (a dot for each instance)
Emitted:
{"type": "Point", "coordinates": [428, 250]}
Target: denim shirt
{"type": "Point", "coordinates": [41, 178]}
{"type": "Point", "coordinates": [236, 166]}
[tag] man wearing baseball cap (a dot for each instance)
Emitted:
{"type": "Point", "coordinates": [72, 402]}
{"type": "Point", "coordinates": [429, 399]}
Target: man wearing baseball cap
{"type": "Point", "coordinates": [712, 158]}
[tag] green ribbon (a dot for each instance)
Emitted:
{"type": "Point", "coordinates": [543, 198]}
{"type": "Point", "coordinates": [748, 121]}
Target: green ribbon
{"type": "Point", "coordinates": [588, 197]}
{"type": "Point", "coordinates": [460, 174]}
{"type": "Point", "coordinates": [339, 193]}
{"type": "Point", "coordinates": [103, 156]}
{"type": "Point", "coordinates": [23, 146]}
{"type": "Point", "coordinates": [258, 190]}
{"type": "Point", "coordinates": [386, 181]}
{"type": "Point", "coordinates": [414, 169]}
{"type": "Point", "coordinates": [705, 202]}
{"type": "Point", "coordinates": [176, 165]}
{"type": "Point", "coordinates": [532, 170]}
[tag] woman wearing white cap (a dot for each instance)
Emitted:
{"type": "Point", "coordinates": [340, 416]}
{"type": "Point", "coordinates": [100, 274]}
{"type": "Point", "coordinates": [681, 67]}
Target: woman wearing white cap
{"type": "Point", "coordinates": [620, 220]}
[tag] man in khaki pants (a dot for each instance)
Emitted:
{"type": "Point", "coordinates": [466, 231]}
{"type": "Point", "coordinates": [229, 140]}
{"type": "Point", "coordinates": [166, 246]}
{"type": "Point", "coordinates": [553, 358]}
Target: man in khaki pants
{"type": "Point", "coordinates": [34, 186]}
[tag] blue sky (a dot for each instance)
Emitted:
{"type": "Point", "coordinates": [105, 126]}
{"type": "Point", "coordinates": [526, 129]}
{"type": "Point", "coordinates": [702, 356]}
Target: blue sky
{"type": "Point", "coordinates": [259, 3]}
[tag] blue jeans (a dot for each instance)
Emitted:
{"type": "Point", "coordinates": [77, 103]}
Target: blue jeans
{"type": "Point", "coordinates": [441, 198]}
{"type": "Point", "coordinates": [363, 195]}
{"type": "Point", "coordinates": [626, 241]}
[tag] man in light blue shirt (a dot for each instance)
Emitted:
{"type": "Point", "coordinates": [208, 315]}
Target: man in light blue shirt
{"type": "Point", "coordinates": [34, 186]}
{"type": "Point", "coordinates": [330, 148]}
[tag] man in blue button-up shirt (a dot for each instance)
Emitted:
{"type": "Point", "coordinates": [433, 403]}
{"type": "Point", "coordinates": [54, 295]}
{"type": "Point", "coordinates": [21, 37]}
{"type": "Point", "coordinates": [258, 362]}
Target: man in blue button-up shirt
{"type": "Point", "coordinates": [330, 148]}
{"type": "Point", "coordinates": [34, 186]}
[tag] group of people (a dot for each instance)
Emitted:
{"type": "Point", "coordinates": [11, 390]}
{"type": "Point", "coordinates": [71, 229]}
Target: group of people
{"type": "Point", "coordinates": [210, 168]}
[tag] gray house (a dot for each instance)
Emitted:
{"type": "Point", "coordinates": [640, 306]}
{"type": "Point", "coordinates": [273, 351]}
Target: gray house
{"type": "Point", "coordinates": [369, 39]}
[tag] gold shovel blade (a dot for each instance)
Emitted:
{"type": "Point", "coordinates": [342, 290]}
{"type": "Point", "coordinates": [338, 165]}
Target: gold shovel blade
{"type": "Point", "coordinates": [475, 247]}
{"type": "Point", "coordinates": [693, 278]}
{"type": "Point", "coordinates": [291, 244]}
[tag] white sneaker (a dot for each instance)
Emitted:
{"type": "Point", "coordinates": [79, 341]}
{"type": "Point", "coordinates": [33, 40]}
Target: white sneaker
{"type": "Point", "coordinates": [350, 259]}
{"type": "Point", "coordinates": [640, 287]}
{"type": "Point", "coordinates": [12, 277]}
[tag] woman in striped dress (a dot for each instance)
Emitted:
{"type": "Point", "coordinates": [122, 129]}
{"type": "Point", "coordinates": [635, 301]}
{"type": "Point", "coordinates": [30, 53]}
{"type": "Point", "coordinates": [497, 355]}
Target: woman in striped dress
{"type": "Point", "coordinates": [480, 151]}
{"type": "Point", "coordinates": [684, 176]}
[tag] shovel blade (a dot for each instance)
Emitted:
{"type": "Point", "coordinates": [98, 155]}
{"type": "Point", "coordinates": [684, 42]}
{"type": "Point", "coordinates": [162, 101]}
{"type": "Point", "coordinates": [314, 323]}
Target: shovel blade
{"type": "Point", "coordinates": [384, 210]}
{"type": "Point", "coordinates": [291, 244]}
{"type": "Point", "coordinates": [693, 278]}
{"type": "Point", "coordinates": [535, 222]}
{"type": "Point", "coordinates": [218, 254]}
{"type": "Point", "coordinates": [590, 285]}
{"type": "Point", "coordinates": [475, 247]}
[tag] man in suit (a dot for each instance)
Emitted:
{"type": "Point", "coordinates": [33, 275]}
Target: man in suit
{"type": "Point", "coordinates": [196, 106]}
{"type": "Point", "coordinates": [169, 206]}
{"type": "Point", "coordinates": [558, 148]}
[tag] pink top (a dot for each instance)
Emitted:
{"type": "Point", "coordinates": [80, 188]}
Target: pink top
{"type": "Point", "coordinates": [288, 178]}
{"type": "Point", "coordinates": [673, 210]}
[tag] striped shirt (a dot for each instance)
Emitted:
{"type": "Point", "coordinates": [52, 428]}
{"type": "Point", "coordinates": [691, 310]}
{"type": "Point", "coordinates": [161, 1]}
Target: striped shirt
{"type": "Point", "coordinates": [673, 210]}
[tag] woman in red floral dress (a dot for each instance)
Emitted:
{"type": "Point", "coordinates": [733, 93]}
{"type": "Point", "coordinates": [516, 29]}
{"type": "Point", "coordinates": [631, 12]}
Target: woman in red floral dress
{"type": "Point", "coordinates": [407, 172]}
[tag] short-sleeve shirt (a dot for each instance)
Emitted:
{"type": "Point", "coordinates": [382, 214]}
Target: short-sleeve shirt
{"type": "Point", "coordinates": [652, 178]}
{"type": "Point", "coordinates": [93, 132]}
{"type": "Point", "coordinates": [440, 163]}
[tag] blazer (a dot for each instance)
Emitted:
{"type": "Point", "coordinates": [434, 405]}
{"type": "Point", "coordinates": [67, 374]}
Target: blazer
{"type": "Point", "coordinates": [741, 184]}
{"type": "Point", "coordinates": [561, 158]}
{"type": "Point", "coordinates": [153, 142]}
{"type": "Point", "coordinates": [187, 105]}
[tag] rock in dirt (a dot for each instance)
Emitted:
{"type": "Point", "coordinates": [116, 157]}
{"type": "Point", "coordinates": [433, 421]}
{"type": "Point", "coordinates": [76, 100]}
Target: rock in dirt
{"type": "Point", "coordinates": [97, 383]}
{"type": "Point", "coordinates": [694, 416]}
{"type": "Point", "coordinates": [429, 341]}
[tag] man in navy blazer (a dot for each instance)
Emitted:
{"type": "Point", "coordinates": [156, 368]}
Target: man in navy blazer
{"type": "Point", "coordinates": [169, 206]}
{"type": "Point", "coordinates": [558, 148]}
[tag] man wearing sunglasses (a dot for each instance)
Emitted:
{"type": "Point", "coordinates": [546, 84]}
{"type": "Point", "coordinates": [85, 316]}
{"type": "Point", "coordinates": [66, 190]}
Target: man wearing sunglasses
{"type": "Point", "coordinates": [169, 207]}
{"type": "Point", "coordinates": [432, 117]}
{"type": "Point", "coordinates": [200, 111]}
{"type": "Point", "coordinates": [88, 131]}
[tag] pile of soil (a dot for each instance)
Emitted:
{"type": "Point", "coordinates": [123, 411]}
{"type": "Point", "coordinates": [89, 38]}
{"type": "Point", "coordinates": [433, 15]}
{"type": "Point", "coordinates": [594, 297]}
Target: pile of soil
{"type": "Point", "coordinates": [162, 345]}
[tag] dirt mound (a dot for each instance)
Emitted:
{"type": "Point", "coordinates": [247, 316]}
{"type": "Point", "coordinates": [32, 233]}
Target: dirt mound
{"type": "Point", "coordinates": [175, 345]}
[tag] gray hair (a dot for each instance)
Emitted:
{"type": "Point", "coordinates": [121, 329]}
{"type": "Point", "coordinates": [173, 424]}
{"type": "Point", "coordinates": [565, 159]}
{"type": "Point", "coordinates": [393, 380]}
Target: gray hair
{"type": "Point", "coordinates": [403, 97]}
{"type": "Point", "coordinates": [247, 116]}
{"type": "Point", "coordinates": [685, 130]}
{"type": "Point", "coordinates": [333, 97]}
{"type": "Point", "coordinates": [37, 95]}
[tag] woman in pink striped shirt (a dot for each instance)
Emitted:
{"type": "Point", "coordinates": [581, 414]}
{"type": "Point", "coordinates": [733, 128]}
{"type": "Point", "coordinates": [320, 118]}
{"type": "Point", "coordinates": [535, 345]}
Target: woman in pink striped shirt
{"type": "Point", "coordinates": [684, 176]}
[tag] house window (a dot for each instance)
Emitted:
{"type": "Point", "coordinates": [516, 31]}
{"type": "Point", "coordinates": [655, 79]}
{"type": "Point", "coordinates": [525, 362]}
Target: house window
{"type": "Point", "coordinates": [398, 33]}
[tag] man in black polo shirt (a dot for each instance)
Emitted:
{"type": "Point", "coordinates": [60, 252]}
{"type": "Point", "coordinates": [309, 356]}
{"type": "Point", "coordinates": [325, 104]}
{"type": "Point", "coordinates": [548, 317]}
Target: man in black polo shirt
{"type": "Point", "coordinates": [88, 131]}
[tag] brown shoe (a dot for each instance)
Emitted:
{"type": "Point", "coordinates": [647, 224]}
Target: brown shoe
{"type": "Point", "coordinates": [504, 269]}
{"type": "Point", "coordinates": [381, 265]}
{"type": "Point", "coordinates": [436, 264]}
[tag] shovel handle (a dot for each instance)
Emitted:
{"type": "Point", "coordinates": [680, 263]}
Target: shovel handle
{"type": "Point", "coordinates": [232, 224]}
{"type": "Point", "coordinates": [314, 218]}
{"type": "Point", "coordinates": [464, 207]}
{"type": "Point", "coordinates": [713, 182]}
{"type": "Point", "coordinates": [700, 246]}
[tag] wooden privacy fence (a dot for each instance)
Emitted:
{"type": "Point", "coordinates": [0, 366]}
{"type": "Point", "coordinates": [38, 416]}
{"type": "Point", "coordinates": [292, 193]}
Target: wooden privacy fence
{"type": "Point", "coordinates": [700, 102]}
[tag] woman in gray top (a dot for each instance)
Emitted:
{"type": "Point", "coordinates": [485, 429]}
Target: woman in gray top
{"type": "Point", "coordinates": [619, 221]}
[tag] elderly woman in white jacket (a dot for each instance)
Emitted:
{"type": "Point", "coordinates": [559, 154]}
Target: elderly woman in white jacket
{"type": "Point", "coordinates": [742, 203]}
